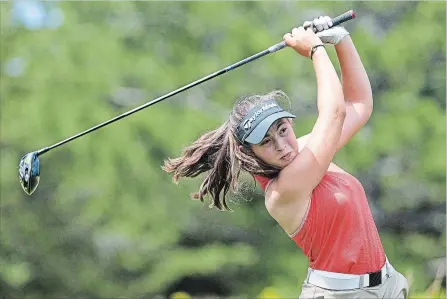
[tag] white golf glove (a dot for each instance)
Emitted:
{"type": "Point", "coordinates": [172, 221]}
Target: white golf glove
{"type": "Point", "coordinates": [327, 35]}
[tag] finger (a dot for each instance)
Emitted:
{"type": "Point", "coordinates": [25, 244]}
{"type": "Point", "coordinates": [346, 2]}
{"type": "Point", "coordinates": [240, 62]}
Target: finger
{"type": "Point", "coordinates": [324, 22]}
{"type": "Point", "coordinates": [310, 24]}
{"type": "Point", "coordinates": [311, 29]}
{"type": "Point", "coordinates": [318, 24]}
{"type": "Point", "coordinates": [328, 21]}
{"type": "Point", "coordinates": [307, 24]}
{"type": "Point", "coordinates": [294, 31]}
{"type": "Point", "coordinates": [287, 35]}
{"type": "Point", "coordinates": [289, 39]}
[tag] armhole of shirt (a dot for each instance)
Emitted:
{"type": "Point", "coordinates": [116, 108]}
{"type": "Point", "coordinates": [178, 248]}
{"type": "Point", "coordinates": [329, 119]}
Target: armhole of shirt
{"type": "Point", "coordinates": [305, 215]}
{"type": "Point", "coordinates": [304, 219]}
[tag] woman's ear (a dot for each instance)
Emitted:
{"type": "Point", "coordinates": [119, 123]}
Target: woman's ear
{"type": "Point", "coordinates": [244, 149]}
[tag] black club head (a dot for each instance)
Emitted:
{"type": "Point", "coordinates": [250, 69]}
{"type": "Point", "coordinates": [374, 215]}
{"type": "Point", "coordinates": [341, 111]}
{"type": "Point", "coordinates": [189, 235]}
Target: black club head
{"type": "Point", "coordinates": [29, 172]}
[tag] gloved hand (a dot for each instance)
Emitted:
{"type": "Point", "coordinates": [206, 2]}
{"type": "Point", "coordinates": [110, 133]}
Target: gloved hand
{"type": "Point", "coordinates": [327, 35]}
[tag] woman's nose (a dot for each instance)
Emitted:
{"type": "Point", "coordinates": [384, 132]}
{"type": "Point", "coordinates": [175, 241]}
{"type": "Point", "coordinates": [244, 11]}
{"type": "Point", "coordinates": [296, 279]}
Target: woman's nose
{"type": "Point", "coordinates": [280, 146]}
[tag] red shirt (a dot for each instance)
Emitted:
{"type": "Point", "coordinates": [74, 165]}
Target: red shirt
{"type": "Point", "coordinates": [339, 233]}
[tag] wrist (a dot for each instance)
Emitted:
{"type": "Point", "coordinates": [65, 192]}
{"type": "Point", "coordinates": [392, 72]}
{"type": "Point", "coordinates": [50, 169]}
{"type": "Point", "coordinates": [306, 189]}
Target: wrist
{"type": "Point", "coordinates": [343, 43]}
{"type": "Point", "coordinates": [318, 48]}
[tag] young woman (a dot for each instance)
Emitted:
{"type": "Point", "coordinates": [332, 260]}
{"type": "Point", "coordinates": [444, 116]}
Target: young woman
{"type": "Point", "coordinates": [321, 207]}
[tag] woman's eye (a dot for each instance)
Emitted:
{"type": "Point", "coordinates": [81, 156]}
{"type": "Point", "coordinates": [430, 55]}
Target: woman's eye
{"type": "Point", "coordinates": [283, 130]}
{"type": "Point", "coordinates": [265, 141]}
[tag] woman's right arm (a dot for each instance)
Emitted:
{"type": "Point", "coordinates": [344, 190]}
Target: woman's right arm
{"type": "Point", "coordinates": [304, 173]}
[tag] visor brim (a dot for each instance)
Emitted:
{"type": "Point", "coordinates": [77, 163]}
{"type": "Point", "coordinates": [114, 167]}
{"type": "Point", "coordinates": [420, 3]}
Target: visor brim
{"type": "Point", "coordinates": [262, 128]}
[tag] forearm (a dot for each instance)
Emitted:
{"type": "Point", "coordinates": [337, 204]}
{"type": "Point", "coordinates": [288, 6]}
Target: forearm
{"type": "Point", "coordinates": [330, 92]}
{"type": "Point", "coordinates": [355, 82]}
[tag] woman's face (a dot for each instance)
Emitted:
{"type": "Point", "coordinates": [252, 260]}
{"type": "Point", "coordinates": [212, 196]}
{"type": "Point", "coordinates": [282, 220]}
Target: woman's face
{"type": "Point", "coordinates": [279, 147]}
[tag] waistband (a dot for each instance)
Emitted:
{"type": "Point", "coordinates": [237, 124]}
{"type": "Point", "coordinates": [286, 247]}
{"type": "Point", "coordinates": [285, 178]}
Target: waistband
{"type": "Point", "coordinates": [340, 281]}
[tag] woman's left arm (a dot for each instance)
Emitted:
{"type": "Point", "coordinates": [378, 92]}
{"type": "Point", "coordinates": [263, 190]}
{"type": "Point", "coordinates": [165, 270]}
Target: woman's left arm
{"type": "Point", "coordinates": [356, 89]}
{"type": "Point", "coordinates": [355, 83]}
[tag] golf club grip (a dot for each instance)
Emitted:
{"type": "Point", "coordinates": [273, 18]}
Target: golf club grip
{"type": "Point", "coordinates": [349, 15]}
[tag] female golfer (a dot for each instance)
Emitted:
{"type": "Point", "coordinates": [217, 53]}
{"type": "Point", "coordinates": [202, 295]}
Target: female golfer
{"type": "Point", "coordinates": [321, 207]}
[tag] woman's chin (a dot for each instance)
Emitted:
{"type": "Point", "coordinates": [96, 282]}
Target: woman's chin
{"type": "Point", "coordinates": [287, 160]}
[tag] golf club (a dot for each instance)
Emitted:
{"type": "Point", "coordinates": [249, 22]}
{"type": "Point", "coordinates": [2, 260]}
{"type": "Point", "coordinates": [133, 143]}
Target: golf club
{"type": "Point", "coordinates": [29, 166]}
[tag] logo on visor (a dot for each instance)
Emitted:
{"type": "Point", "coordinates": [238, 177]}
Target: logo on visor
{"type": "Point", "coordinates": [248, 122]}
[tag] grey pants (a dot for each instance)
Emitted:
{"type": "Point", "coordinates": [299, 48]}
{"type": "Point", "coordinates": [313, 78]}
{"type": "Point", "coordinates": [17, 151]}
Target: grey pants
{"type": "Point", "coordinates": [395, 286]}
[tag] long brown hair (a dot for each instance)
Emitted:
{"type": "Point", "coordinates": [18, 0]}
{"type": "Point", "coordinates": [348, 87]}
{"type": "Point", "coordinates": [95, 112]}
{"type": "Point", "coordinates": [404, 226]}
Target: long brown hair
{"type": "Point", "coordinates": [221, 155]}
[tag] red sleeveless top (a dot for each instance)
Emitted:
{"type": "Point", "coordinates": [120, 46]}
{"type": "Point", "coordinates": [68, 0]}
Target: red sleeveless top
{"type": "Point", "coordinates": [338, 233]}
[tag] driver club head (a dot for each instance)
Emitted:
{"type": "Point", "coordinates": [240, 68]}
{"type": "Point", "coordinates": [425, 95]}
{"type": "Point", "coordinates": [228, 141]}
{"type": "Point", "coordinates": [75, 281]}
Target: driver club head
{"type": "Point", "coordinates": [29, 172]}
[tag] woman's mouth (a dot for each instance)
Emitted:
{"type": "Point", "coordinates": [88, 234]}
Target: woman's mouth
{"type": "Point", "coordinates": [286, 157]}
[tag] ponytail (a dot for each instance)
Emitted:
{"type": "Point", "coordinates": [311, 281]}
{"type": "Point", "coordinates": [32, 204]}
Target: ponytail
{"type": "Point", "coordinates": [211, 153]}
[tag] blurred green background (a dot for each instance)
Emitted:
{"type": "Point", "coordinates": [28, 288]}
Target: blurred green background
{"type": "Point", "coordinates": [107, 222]}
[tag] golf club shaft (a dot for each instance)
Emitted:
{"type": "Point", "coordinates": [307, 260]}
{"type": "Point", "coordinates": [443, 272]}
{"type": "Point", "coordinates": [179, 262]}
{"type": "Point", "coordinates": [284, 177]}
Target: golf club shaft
{"type": "Point", "coordinates": [335, 21]}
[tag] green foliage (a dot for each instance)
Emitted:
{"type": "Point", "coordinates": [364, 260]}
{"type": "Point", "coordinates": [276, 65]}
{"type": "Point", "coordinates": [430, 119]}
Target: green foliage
{"type": "Point", "coordinates": [106, 221]}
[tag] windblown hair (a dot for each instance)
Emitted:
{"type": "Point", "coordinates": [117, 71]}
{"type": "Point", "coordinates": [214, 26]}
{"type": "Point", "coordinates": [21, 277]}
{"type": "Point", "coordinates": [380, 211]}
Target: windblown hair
{"type": "Point", "coordinates": [221, 156]}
